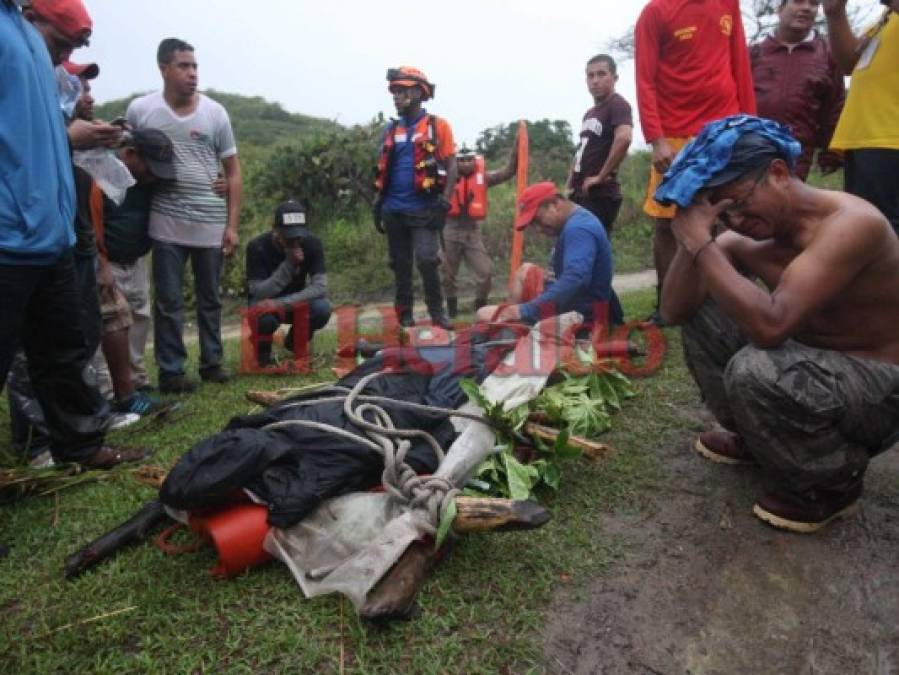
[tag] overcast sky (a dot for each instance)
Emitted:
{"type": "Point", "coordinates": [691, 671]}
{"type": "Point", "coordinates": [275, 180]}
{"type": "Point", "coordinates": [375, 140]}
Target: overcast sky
{"type": "Point", "coordinates": [493, 61]}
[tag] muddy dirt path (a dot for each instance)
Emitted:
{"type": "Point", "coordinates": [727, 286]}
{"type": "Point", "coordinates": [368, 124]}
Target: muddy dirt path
{"type": "Point", "coordinates": [700, 586]}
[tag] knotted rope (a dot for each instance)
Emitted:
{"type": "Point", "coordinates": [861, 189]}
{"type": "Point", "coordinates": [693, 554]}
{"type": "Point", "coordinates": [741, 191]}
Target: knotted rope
{"type": "Point", "coordinates": [427, 497]}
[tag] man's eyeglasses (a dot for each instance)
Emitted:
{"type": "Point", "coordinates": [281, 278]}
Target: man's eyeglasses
{"type": "Point", "coordinates": [739, 205]}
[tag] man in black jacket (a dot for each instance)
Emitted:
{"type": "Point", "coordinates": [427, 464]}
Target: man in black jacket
{"type": "Point", "coordinates": [286, 283]}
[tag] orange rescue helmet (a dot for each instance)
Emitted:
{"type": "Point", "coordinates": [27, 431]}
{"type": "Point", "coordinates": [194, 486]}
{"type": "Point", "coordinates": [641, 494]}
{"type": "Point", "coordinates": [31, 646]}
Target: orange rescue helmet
{"type": "Point", "coordinates": [407, 76]}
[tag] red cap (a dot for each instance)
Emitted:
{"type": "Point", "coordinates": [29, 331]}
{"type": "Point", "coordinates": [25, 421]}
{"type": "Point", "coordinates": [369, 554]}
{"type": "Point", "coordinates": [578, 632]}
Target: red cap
{"type": "Point", "coordinates": [86, 70]}
{"type": "Point", "coordinates": [531, 199]}
{"type": "Point", "coordinates": [69, 17]}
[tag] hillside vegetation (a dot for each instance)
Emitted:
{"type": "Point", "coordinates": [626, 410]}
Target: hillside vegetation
{"type": "Point", "coordinates": [330, 168]}
{"type": "Point", "coordinates": [256, 121]}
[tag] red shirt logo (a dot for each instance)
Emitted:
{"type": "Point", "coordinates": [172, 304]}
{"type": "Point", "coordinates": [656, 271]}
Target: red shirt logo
{"type": "Point", "coordinates": [727, 24]}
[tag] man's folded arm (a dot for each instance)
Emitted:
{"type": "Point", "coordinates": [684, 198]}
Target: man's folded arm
{"type": "Point", "coordinates": [317, 288]}
{"type": "Point", "coordinates": [265, 289]}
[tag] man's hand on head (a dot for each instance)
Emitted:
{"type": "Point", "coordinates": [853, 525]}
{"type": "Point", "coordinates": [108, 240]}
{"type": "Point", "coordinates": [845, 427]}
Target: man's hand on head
{"type": "Point", "coordinates": [692, 226]}
{"type": "Point", "coordinates": [85, 135]}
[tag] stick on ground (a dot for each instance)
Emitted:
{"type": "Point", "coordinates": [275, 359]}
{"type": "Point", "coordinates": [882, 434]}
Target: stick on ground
{"type": "Point", "coordinates": [133, 531]}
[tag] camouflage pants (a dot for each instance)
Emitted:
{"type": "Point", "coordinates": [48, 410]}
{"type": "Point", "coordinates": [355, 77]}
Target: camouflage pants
{"type": "Point", "coordinates": [812, 418]}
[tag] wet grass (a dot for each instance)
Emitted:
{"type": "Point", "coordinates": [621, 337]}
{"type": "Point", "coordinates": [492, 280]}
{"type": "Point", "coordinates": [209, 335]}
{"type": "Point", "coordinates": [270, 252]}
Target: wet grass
{"type": "Point", "coordinates": [481, 611]}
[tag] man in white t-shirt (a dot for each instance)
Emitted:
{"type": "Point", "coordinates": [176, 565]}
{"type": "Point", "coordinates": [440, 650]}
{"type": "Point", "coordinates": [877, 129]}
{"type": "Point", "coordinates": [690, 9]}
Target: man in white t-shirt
{"type": "Point", "coordinates": [188, 219]}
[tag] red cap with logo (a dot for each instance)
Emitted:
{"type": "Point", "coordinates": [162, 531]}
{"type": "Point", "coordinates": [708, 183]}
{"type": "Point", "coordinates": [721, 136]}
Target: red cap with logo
{"type": "Point", "coordinates": [531, 199]}
{"type": "Point", "coordinates": [69, 17]}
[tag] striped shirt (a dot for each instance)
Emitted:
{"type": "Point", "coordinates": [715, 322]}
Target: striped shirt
{"type": "Point", "coordinates": [186, 211]}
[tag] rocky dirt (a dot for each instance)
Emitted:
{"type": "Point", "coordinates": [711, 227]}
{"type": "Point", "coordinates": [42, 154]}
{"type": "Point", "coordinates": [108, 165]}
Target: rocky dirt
{"type": "Point", "coordinates": [700, 586]}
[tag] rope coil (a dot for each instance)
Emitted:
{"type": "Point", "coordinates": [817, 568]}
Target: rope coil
{"type": "Point", "coordinates": [427, 497]}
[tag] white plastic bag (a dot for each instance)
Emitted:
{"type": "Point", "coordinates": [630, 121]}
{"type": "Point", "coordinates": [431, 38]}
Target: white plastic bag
{"type": "Point", "coordinates": [108, 170]}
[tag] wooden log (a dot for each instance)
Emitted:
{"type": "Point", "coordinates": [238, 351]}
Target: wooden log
{"type": "Point", "coordinates": [591, 449]}
{"type": "Point", "coordinates": [394, 595]}
{"type": "Point", "coordinates": [266, 398]}
{"type": "Point", "coordinates": [133, 531]}
{"type": "Point", "coordinates": [476, 514]}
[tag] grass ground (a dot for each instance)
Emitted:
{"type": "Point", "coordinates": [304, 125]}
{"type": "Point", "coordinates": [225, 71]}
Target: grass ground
{"type": "Point", "coordinates": [481, 611]}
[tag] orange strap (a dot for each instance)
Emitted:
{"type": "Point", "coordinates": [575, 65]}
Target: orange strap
{"type": "Point", "coordinates": [96, 209]}
{"type": "Point", "coordinates": [163, 544]}
{"type": "Point", "coordinates": [518, 236]}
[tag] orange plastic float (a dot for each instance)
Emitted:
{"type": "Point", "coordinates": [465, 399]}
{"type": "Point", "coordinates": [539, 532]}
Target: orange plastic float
{"type": "Point", "coordinates": [237, 532]}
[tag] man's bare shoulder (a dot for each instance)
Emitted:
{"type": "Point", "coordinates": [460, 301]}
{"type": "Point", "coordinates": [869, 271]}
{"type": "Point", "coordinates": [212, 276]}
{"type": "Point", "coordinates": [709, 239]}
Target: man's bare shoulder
{"type": "Point", "coordinates": [847, 210]}
{"type": "Point", "coordinates": [854, 225]}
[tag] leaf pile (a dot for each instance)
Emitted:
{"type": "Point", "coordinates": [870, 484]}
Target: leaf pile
{"type": "Point", "coordinates": [580, 405]}
{"type": "Point", "coordinates": [583, 405]}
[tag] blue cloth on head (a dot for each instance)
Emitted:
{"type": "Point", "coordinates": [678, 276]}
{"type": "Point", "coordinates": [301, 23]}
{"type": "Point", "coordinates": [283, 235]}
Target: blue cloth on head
{"type": "Point", "coordinates": [724, 150]}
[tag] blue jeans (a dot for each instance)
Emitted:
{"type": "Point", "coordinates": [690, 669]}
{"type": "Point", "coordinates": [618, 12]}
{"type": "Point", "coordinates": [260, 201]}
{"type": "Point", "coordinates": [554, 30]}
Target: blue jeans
{"type": "Point", "coordinates": [169, 261]}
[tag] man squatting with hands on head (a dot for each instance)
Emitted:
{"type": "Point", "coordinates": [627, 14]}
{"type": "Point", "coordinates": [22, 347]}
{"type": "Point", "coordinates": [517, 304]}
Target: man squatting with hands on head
{"type": "Point", "coordinates": [802, 371]}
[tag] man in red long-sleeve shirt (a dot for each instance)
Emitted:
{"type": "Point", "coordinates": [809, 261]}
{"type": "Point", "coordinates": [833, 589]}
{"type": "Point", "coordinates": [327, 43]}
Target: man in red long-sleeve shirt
{"type": "Point", "coordinates": [692, 68]}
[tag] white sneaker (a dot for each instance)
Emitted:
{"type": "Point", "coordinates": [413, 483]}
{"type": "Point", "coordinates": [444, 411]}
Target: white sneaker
{"type": "Point", "coordinates": [122, 420]}
{"type": "Point", "coordinates": [42, 461]}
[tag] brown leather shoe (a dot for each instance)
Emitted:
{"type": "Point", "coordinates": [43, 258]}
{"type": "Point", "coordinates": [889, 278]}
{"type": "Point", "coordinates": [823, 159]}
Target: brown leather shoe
{"type": "Point", "coordinates": [723, 446]}
{"type": "Point", "coordinates": [107, 457]}
{"type": "Point", "coordinates": [809, 512]}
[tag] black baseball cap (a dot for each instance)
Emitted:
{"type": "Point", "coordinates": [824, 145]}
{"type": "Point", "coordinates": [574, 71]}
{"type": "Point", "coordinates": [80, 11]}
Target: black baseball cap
{"type": "Point", "coordinates": [156, 149]}
{"type": "Point", "coordinates": [290, 220]}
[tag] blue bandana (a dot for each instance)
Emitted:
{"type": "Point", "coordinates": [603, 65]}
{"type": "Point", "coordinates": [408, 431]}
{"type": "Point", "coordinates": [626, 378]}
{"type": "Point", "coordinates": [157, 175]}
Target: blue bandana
{"type": "Point", "coordinates": [722, 152]}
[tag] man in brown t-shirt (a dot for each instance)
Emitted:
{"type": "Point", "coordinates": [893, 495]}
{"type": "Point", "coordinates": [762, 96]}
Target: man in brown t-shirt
{"type": "Point", "coordinates": [606, 134]}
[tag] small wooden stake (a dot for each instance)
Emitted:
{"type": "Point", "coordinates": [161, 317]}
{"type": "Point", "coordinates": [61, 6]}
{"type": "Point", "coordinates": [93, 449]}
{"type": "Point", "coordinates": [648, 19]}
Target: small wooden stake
{"type": "Point", "coordinates": [476, 514]}
{"type": "Point", "coordinates": [591, 449]}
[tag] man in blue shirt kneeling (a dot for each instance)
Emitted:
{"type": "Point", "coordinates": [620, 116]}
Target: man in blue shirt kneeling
{"type": "Point", "coordinates": [581, 261]}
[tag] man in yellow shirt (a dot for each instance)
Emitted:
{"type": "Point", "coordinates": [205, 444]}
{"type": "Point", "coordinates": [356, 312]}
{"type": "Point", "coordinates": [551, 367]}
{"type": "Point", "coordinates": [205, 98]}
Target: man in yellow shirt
{"type": "Point", "coordinates": [868, 130]}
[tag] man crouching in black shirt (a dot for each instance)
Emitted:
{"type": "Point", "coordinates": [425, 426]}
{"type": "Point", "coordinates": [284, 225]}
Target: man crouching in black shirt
{"type": "Point", "coordinates": [286, 283]}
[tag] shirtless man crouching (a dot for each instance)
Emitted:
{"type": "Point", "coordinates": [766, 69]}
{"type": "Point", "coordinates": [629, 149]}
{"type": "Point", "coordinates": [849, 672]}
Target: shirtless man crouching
{"type": "Point", "coordinates": [802, 369]}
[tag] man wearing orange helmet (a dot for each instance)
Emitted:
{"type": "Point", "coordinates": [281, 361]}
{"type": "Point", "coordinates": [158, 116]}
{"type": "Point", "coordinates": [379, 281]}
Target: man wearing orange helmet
{"type": "Point", "coordinates": [415, 178]}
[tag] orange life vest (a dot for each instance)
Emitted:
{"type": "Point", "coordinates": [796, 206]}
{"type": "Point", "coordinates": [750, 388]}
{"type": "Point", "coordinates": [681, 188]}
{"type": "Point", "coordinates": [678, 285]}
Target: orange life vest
{"type": "Point", "coordinates": [429, 168]}
{"type": "Point", "coordinates": [470, 196]}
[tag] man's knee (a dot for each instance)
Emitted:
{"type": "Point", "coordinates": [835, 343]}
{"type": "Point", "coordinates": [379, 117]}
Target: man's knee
{"type": "Point", "coordinates": [319, 313]}
{"type": "Point", "coordinates": [751, 377]}
{"type": "Point", "coordinates": [428, 261]}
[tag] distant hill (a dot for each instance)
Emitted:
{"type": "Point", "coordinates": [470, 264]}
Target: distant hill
{"type": "Point", "coordinates": [255, 120]}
